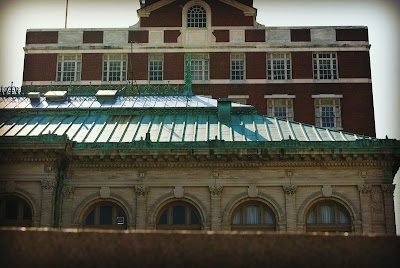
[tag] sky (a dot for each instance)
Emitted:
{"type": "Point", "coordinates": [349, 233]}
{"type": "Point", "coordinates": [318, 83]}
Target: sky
{"type": "Point", "coordinates": [381, 16]}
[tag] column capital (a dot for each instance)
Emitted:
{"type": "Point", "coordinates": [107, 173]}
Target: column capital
{"type": "Point", "coordinates": [388, 189]}
{"type": "Point", "coordinates": [68, 191]}
{"type": "Point", "coordinates": [289, 189]}
{"type": "Point", "coordinates": [365, 188]}
{"type": "Point", "coordinates": [216, 190]}
{"type": "Point", "coordinates": [48, 184]}
{"type": "Point", "coordinates": [142, 190]}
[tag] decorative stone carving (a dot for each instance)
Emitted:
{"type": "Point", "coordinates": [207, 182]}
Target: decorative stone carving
{"type": "Point", "coordinates": [10, 186]}
{"type": "Point", "coordinates": [363, 173]}
{"type": "Point", "coordinates": [364, 188]}
{"type": "Point", "coordinates": [289, 189]}
{"type": "Point", "coordinates": [48, 168]}
{"type": "Point", "coordinates": [388, 188]}
{"type": "Point", "coordinates": [252, 191]}
{"type": "Point", "coordinates": [216, 190]}
{"type": "Point", "coordinates": [326, 190]}
{"type": "Point", "coordinates": [142, 190]}
{"type": "Point", "coordinates": [69, 174]}
{"type": "Point", "coordinates": [68, 191]}
{"type": "Point", "coordinates": [48, 184]}
{"type": "Point", "coordinates": [216, 174]}
{"type": "Point", "coordinates": [178, 191]}
{"type": "Point", "coordinates": [142, 174]}
{"type": "Point", "coordinates": [289, 174]}
{"type": "Point", "coordinates": [105, 192]}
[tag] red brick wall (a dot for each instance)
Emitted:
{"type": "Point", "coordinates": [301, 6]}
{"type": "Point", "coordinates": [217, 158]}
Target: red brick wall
{"type": "Point", "coordinates": [167, 16]}
{"type": "Point", "coordinates": [92, 66]}
{"type": "Point", "coordinates": [226, 15]}
{"type": "Point", "coordinates": [354, 64]}
{"type": "Point", "coordinates": [256, 65]}
{"type": "Point", "coordinates": [300, 35]}
{"type": "Point", "coordinates": [42, 37]}
{"type": "Point", "coordinates": [174, 66]}
{"type": "Point", "coordinates": [221, 35]}
{"type": "Point", "coordinates": [302, 65]}
{"type": "Point", "coordinates": [139, 64]}
{"type": "Point", "coordinates": [93, 37]}
{"type": "Point", "coordinates": [40, 67]}
{"type": "Point", "coordinates": [171, 36]}
{"type": "Point", "coordinates": [219, 65]}
{"type": "Point", "coordinates": [138, 36]}
{"type": "Point", "coordinates": [351, 34]}
{"type": "Point", "coordinates": [255, 35]}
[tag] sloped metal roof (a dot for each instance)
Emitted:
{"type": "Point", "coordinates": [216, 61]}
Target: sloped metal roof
{"type": "Point", "coordinates": [89, 120]}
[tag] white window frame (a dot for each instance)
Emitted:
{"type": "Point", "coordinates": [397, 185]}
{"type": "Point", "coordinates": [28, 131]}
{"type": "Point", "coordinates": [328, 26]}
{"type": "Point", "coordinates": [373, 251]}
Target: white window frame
{"type": "Point", "coordinates": [202, 73]}
{"type": "Point", "coordinates": [69, 68]}
{"type": "Point", "coordinates": [115, 67]}
{"type": "Point", "coordinates": [241, 99]}
{"type": "Point", "coordinates": [276, 105]}
{"type": "Point", "coordinates": [238, 60]}
{"type": "Point", "coordinates": [279, 66]}
{"type": "Point", "coordinates": [196, 19]}
{"type": "Point", "coordinates": [325, 66]}
{"type": "Point", "coordinates": [322, 104]}
{"type": "Point", "coordinates": [156, 67]}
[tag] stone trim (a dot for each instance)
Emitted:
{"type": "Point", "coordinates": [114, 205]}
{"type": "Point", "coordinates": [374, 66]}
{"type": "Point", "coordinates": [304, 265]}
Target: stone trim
{"type": "Point", "coordinates": [48, 184]}
{"type": "Point", "coordinates": [365, 188]}
{"type": "Point", "coordinates": [142, 190]}
{"type": "Point", "coordinates": [289, 189]}
{"type": "Point", "coordinates": [216, 190]}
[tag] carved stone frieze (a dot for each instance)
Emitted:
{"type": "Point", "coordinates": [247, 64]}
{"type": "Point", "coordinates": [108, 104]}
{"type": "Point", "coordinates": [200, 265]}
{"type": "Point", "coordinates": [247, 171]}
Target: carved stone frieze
{"type": "Point", "coordinates": [289, 189]}
{"type": "Point", "coordinates": [388, 189]}
{"type": "Point", "coordinates": [142, 190]}
{"type": "Point", "coordinates": [216, 190]}
{"type": "Point", "coordinates": [68, 191]}
{"type": "Point", "coordinates": [48, 184]}
{"type": "Point", "coordinates": [365, 189]}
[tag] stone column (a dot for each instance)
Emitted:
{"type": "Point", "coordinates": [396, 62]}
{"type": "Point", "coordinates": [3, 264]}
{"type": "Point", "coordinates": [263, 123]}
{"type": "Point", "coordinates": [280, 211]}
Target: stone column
{"type": "Point", "coordinates": [215, 193]}
{"type": "Point", "coordinates": [47, 204]}
{"type": "Point", "coordinates": [141, 202]}
{"type": "Point", "coordinates": [388, 190]}
{"type": "Point", "coordinates": [66, 212]}
{"type": "Point", "coordinates": [365, 200]}
{"type": "Point", "coordinates": [290, 206]}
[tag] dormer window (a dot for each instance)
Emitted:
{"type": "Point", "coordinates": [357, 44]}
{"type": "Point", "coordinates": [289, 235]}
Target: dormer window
{"type": "Point", "coordinates": [196, 17]}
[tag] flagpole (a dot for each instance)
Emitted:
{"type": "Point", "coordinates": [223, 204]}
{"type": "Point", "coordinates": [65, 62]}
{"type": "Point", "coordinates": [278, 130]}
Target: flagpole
{"type": "Point", "coordinates": [66, 15]}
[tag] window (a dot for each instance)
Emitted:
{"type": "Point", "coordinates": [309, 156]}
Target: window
{"type": "Point", "coordinates": [242, 99]}
{"type": "Point", "coordinates": [68, 68]}
{"type": "Point", "coordinates": [278, 66]}
{"type": "Point", "coordinates": [199, 66]}
{"type": "Point", "coordinates": [106, 215]}
{"type": "Point", "coordinates": [327, 113]}
{"type": "Point", "coordinates": [325, 66]}
{"type": "Point", "coordinates": [155, 67]}
{"type": "Point", "coordinates": [179, 215]}
{"type": "Point", "coordinates": [114, 67]}
{"type": "Point", "coordinates": [15, 211]}
{"type": "Point", "coordinates": [253, 215]}
{"type": "Point", "coordinates": [280, 108]}
{"type": "Point", "coordinates": [237, 66]}
{"type": "Point", "coordinates": [328, 216]}
{"type": "Point", "coordinates": [196, 17]}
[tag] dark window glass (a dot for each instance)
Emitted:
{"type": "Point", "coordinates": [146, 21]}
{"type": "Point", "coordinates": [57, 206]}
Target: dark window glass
{"type": "Point", "coordinates": [194, 219]}
{"type": "Point", "coordinates": [178, 215]}
{"type": "Point", "coordinates": [163, 218]}
{"type": "Point", "coordinates": [105, 215]}
{"type": "Point", "coordinates": [27, 213]}
{"type": "Point", "coordinates": [90, 219]}
{"type": "Point", "coordinates": [11, 209]}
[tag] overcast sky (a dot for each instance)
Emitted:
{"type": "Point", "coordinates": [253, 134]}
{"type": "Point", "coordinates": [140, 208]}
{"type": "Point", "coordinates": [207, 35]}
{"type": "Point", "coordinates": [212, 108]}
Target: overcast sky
{"type": "Point", "coordinates": [381, 16]}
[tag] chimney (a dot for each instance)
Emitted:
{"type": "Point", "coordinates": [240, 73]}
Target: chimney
{"type": "Point", "coordinates": [224, 110]}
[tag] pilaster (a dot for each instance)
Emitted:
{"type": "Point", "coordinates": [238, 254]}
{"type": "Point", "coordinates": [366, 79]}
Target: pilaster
{"type": "Point", "coordinates": [388, 190]}
{"type": "Point", "coordinates": [141, 203]}
{"type": "Point", "coordinates": [365, 200]}
{"type": "Point", "coordinates": [215, 194]}
{"type": "Point", "coordinates": [66, 216]}
{"type": "Point", "coordinates": [290, 206]}
{"type": "Point", "coordinates": [47, 204]}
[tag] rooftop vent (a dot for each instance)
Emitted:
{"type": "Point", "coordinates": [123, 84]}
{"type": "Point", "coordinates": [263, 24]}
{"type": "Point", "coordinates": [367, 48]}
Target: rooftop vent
{"type": "Point", "coordinates": [224, 110]}
{"type": "Point", "coordinates": [106, 94]}
{"type": "Point", "coordinates": [56, 95]}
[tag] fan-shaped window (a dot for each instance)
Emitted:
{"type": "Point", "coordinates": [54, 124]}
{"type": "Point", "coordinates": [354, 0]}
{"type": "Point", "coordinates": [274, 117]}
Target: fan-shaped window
{"type": "Point", "coordinates": [105, 215]}
{"type": "Point", "coordinates": [196, 17]}
{"type": "Point", "coordinates": [253, 215]}
{"type": "Point", "coordinates": [15, 211]}
{"type": "Point", "coordinates": [179, 216]}
{"type": "Point", "coordinates": [328, 216]}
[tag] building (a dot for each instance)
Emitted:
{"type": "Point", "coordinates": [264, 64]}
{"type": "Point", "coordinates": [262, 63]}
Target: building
{"type": "Point", "coordinates": [150, 154]}
{"type": "Point", "coordinates": [313, 75]}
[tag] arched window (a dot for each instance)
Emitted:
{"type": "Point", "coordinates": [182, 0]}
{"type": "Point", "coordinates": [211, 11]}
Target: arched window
{"type": "Point", "coordinates": [253, 215]}
{"type": "Point", "coordinates": [105, 215]}
{"type": "Point", "coordinates": [196, 17]}
{"type": "Point", "coordinates": [15, 211]}
{"type": "Point", "coordinates": [179, 216]}
{"type": "Point", "coordinates": [328, 216]}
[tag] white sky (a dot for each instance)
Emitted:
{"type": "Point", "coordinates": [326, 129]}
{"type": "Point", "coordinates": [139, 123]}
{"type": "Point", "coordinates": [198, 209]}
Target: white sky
{"type": "Point", "coordinates": [381, 16]}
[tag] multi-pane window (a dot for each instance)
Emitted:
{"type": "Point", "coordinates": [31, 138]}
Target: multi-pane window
{"type": "Point", "coordinates": [327, 113]}
{"type": "Point", "coordinates": [68, 68]}
{"type": "Point", "coordinates": [280, 108]}
{"type": "Point", "coordinates": [155, 67]}
{"type": "Point", "coordinates": [278, 66]}
{"type": "Point", "coordinates": [325, 66]}
{"type": "Point", "coordinates": [115, 67]}
{"type": "Point", "coordinates": [106, 215]}
{"type": "Point", "coordinates": [14, 211]}
{"type": "Point", "coordinates": [253, 215]}
{"type": "Point", "coordinates": [237, 66]}
{"type": "Point", "coordinates": [179, 215]}
{"type": "Point", "coordinates": [199, 65]}
{"type": "Point", "coordinates": [196, 17]}
{"type": "Point", "coordinates": [328, 216]}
